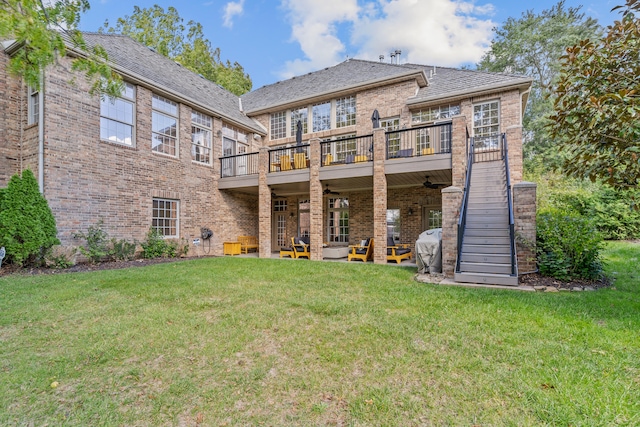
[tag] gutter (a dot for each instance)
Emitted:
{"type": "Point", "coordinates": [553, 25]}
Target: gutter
{"type": "Point", "coordinates": [466, 94]}
{"type": "Point", "coordinates": [41, 135]}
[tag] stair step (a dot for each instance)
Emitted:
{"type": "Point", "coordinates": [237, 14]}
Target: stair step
{"type": "Point", "coordinates": [485, 249]}
{"type": "Point", "coordinates": [485, 267]}
{"type": "Point", "coordinates": [475, 204]}
{"type": "Point", "coordinates": [487, 279]}
{"type": "Point", "coordinates": [471, 240]}
{"type": "Point", "coordinates": [486, 232]}
{"type": "Point", "coordinates": [501, 219]}
{"type": "Point", "coordinates": [486, 258]}
{"type": "Point", "coordinates": [494, 212]}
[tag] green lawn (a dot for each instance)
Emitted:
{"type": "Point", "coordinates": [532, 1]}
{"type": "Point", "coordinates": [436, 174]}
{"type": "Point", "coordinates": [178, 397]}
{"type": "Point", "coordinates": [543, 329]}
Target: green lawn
{"type": "Point", "coordinates": [231, 341]}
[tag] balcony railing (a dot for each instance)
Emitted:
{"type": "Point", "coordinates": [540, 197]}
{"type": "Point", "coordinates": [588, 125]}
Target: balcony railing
{"type": "Point", "coordinates": [488, 148]}
{"type": "Point", "coordinates": [357, 149]}
{"type": "Point", "coordinates": [239, 165]}
{"type": "Point", "coordinates": [291, 158]}
{"type": "Point", "coordinates": [419, 141]}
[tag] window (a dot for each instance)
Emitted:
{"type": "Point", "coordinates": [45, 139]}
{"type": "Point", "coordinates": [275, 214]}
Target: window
{"type": "Point", "coordinates": [432, 217]}
{"type": "Point", "coordinates": [338, 220]}
{"type": "Point", "coordinates": [346, 111]}
{"type": "Point", "coordinates": [33, 106]}
{"type": "Point", "coordinates": [279, 205]}
{"type": "Point", "coordinates": [165, 217]}
{"type": "Point", "coordinates": [321, 116]}
{"type": "Point", "coordinates": [234, 142]}
{"type": "Point", "coordinates": [116, 117]}
{"type": "Point", "coordinates": [200, 138]}
{"type": "Point", "coordinates": [164, 126]}
{"type": "Point", "coordinates": [435, 113]}
{"type": "Point", "coordinates": [393, 224]}
{"type": "Point", "coordinates": [299, 114]}
{"type": "Point", "coordinates": [393, 139]}
{"type": "Point", "coordinates": [486, 125]}
{"type": "Point", "coordinates": [304, 218]}
{"type": "Point", "coordinates": [278, 125]}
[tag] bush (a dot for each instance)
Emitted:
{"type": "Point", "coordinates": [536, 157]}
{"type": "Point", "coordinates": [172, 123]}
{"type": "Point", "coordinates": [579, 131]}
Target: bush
{"type": "Point", "coordinates": [155, 246]}
{"type": "Point", "coordinates": [123, 250]}
{"type": "Point", "coordinates": [568, 246]}
{"type": "Point", "coordinates": [97, 248]}
{"type": "Point", "coordinates": [27, 226]}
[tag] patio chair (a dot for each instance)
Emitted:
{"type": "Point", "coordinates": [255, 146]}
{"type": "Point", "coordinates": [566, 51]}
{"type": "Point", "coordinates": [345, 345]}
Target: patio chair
{"type": "Point", "coordinates": [328, 159]}
{"type": "Point", "coordinates": [397, 252]}
{"type": "Point", "coordinates": [300, 247]}
{"type": "Point", "coordinates": [363, 252]}
{"type": "Point", "coordinates": [284, 251]}
{"type": "Point", "coordinates": [300, 160]}
{"type": "Point", "coordinates": [285, 163]}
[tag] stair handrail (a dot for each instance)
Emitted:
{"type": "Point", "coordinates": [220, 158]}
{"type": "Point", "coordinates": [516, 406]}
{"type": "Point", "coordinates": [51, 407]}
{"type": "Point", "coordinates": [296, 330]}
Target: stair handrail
{"type": "Point", "coordinates": [512, 231]}
{"type": "Point", "coordinates": [462, 221]}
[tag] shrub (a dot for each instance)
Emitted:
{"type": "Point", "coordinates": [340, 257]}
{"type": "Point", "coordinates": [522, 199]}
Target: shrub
{"type": "Point", "coordinates": [97, 246]}
{"type": "Point", "coordinates": [568, 246]}
{"type": "Point", "coordinates": [27, 226]}
{"type": "Point", "coordinates": [123, 250]}
{"type": "Point", "coordinates": [60, 261]}
{"type": "Point", "coordinates": [155, 246]}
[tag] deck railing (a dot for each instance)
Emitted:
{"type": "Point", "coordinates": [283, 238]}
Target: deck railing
{"type": "Point", "coordinates": [356, 149]}
{"type": "Point", "coordinates": [462, 220]}
{"type": "Point", "coordinates": [512, 231]}
{"type": "Point", "coordinates": [488, 148]}
{"type": "Point", "coordinates": [419, 141]}
{"type": "Point", "coordinates": [239, 165]}
{"type": "Point", "coordinates": [289, 158]}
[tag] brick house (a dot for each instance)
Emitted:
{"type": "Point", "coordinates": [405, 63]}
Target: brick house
{"type": "Point", "coordinates": [177, 152]}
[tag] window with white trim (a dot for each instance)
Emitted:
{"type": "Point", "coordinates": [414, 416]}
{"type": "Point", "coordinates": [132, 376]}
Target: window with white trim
{"type": "Point", "coordinates": [234, 142]}
{"type": "Point", "coordinates": [279, 125]}
{"type": "Point", "coordinates": [321, 116]}
{"type": "Point", "coordinates": [345, 111]}
{"type": "Point", "coordinates": [117, 117]}
{"type": "Point", "coordinates": [299, 114]}
{"type": "Point", "coordinates": [33, 106]}
{"type": "Point", "coordinates": [200, 137]}
{"type": "Point", "coordinates": [431, 114]}
{"type": "Point", "coordinates": [393, 139]}
{"type": "Point", "coordinates": [164, 126]}
{"type": "Point", "coordinates": [338, 220]}
{"type": "Point", "coordinates": [165, 217]}
{"type": "Point", "coordinates": [486, 125]}
{"type": "Point", "coordinates": [304, 218]}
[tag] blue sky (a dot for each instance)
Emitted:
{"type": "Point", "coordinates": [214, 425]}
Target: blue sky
{"type": "Point", "coordinates": [278, 39]}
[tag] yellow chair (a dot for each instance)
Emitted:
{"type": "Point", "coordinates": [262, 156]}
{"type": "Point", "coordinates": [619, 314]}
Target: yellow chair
{"type": "Point", "coordinates": [300, 161]}
{"type": "Point", "coordinates": [361, 158]}
{"type": "Point", "coordinates": [285, 163]}
{"type": "Point", "coordinates": [427, 151]}
{"type": "Point", "coordinates": [287, 252]}
{"type": "Point", "coordinates": [362, 252]}
{"type": "Point", "coordinates": [300, 248]}
{"type": "Point", "coordinates": [328, 159]}
{"type": "Point", "coordinates": [397, 253]}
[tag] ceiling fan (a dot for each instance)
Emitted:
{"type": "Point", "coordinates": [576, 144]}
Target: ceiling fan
{"type": "Point", "coordinates": [328, 191]}
{"type": "Point", "coordinates": [429, 184]}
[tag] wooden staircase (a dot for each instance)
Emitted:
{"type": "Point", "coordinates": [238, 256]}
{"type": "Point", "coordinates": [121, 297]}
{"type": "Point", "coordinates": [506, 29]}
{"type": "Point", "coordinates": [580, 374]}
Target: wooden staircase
{"type": "Point", "coordinates": [485, 256]}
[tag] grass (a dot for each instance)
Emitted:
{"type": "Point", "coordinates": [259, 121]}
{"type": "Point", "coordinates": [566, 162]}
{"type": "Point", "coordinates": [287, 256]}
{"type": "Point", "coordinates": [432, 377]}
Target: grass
{"type": "Point", "coordinates": [230, 341]}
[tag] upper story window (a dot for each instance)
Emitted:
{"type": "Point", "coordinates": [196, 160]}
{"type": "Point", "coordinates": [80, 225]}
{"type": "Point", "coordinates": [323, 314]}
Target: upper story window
{"type": "Point", "coordinates": [321, 116]}
{"type": "Point", "coordinates": [435, 113]}
{"type": "Point", "coordinates": [393, 139]}
{"type": "Point", "coordinates": [200, 137]}
{"type": "Point", "coordinates": [164, 126]}
{"type": "Point", "coordinates": [116, 117]}
{"type": "Point", "coordinates": [33, 105]}
{"type": "Point", "coordinates": [234, 142]}
{"type": "Point", "coordinates": [279, 125]}
{"type": "Point", "coordinates": [346, 111]}
{"type": "Point", "coordinates": [486, 124]}
{"type": "Point", "coordinates": [302, 115]}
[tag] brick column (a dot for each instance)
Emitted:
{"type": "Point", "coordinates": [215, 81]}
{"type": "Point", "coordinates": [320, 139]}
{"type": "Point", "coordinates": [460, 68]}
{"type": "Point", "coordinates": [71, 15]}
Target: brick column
{"type": "Point", "coordinates": [514, 142]}
{"type": "Point", "coordinates": [315, 199]}
{"type": "Point", "coordinates": [379, 198]}
{"type": "Point", "coordinates": [264, 204]}
{"type": "Point", "coordinates": [524, 211]}
{"type": "Point", "coordinates": [451, 201]}
{"type": "Point", "coordinates": [458, 151]}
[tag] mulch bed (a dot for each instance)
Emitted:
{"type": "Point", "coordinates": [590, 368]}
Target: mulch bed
{"type": "Point", "coordinates": [537, 280]}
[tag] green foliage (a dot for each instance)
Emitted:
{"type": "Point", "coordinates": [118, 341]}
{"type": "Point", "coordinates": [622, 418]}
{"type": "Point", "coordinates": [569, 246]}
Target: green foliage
{"type": "Point", "coordinates": [532, 45]}
{"type": "Point", "coordinates": [568, 246]}
{"type": "Point", "coordinates": [596, 115]}
{"type": "Point", "coordinates": [123, 250]}
{"type": "Point", "coordinates": [60, 261]}
{"type": "Point", "coordinates": [165, 32]}
{"type": "Point", "coordinates": [97, 239]}
{"type": "Point", "coordinates": [155, 246]}
{"type": "Point", "coordinates": [27, 226]}
{"type": "Point", "coordinates": [42, 30]}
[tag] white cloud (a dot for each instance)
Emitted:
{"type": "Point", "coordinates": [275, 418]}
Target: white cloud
{"type": "Point", "coordinates": [232, 9]}
{"type": "Point", "coordinates": [435, 32]}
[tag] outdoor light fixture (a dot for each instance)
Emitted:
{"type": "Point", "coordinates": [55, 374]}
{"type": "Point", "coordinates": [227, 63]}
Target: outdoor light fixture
{"type": "Point", "coordinates": [410, 211]}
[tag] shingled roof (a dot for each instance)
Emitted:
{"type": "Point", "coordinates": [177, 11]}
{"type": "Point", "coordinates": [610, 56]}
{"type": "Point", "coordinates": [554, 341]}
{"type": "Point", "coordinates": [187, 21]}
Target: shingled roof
{"type": "Point", "coordinates": [350, 74]}
{"type": "Point", "coordinates": [139, 62]}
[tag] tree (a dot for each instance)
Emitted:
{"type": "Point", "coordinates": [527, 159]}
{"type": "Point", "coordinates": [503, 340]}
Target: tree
{"type": "Point", "coordinates": [165, 32]}
{"type": "Point", "coordinates": [597, 108]}
{"type": "Point", "coordinates": [27, 226]}
{"type": "Point", "coordinates": [42, 31]}
{"type": "Point", "coordinates": [532, 45]}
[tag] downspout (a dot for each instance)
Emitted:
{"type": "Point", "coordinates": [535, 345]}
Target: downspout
{"type": "Point", "coordinates": [523, 105]}
{"type": "Point", "coordinates": [41, 136]}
